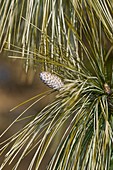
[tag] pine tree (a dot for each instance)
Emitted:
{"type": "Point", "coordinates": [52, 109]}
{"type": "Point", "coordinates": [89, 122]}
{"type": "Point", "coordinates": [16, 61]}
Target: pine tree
{"type": "Point", "coordinates": [73, 43]}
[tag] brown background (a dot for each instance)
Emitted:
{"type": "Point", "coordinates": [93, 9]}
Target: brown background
{"type": "Point", "coordinates": [15, 87]}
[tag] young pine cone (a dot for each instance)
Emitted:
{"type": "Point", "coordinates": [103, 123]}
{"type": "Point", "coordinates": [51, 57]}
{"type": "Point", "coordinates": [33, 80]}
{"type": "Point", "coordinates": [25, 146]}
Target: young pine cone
{"type": "Point", "coordinates": [51, 80]}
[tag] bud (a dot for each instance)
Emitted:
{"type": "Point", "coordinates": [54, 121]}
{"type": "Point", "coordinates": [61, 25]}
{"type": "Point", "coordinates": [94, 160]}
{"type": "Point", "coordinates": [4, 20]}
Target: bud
{"type": "Point", "coordinates": [107, 88]}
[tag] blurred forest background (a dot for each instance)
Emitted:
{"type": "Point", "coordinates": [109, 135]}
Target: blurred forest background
{"type": "Point", "coordinates": [16, 86]}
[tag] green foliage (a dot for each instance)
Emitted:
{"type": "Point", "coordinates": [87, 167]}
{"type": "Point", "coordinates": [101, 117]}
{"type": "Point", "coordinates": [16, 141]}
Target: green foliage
{"type": "Point", "coordinates": [76, 43]}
